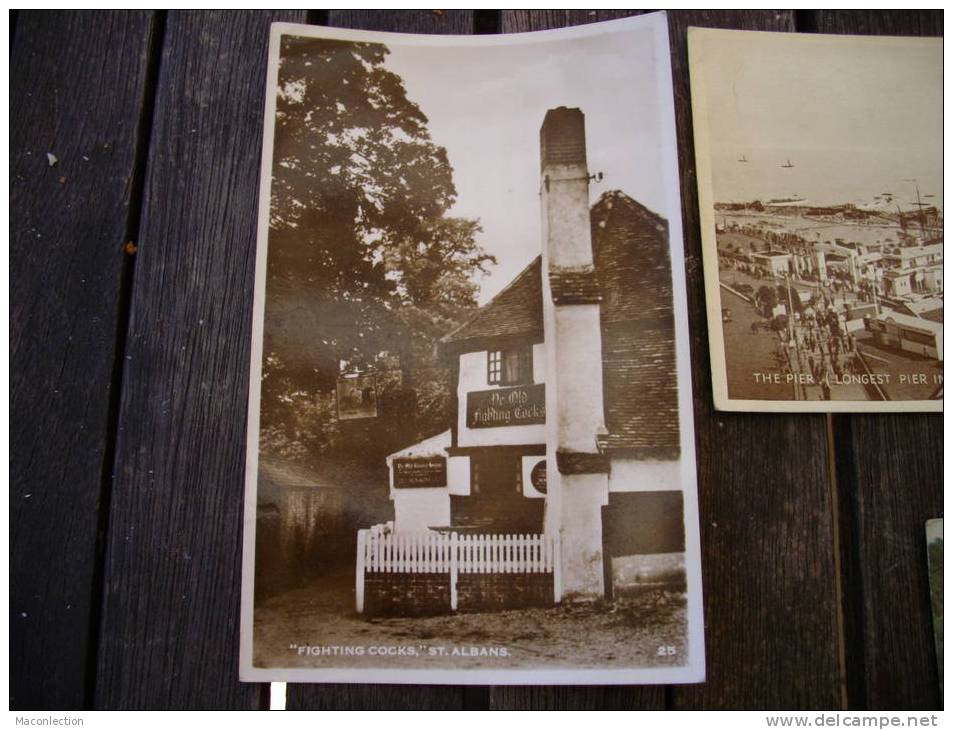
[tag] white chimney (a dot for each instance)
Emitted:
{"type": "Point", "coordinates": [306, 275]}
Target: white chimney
{"type": "Point", "coordinates": [571, 287]}
{"type": "Point", "coordinates": [578, 472]}
{"type": "Point", "coordinates": [565, 179]}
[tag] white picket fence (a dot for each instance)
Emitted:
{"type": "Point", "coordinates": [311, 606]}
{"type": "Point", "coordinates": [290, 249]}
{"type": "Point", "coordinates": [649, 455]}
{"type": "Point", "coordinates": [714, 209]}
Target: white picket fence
{"type": "Point", "coordinates": [382, 551]}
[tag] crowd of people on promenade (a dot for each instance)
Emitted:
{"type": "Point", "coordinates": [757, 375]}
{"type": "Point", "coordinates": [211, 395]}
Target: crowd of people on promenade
{"type": "Point", "coordinates": [826, 356]}
{"type": "Point", "coordinates": [824, 349]}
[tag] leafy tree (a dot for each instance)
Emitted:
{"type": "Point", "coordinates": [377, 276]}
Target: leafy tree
{"type": "Point", "coordinates": [363, 257]}
{"type": "Point", "coordinates": [767, 297]}
{"type": "Point", "coordinates": [794, 297]}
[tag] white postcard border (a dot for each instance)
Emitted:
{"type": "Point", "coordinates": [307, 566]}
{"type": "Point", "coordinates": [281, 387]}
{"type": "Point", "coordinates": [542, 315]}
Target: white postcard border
{"type": "Point", "coordinates": [694, 669]}
{"type": "Point", "coordinates": [716, 338]}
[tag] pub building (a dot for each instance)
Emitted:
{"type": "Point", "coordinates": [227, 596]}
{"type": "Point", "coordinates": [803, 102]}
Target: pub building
{"type": "Point", "coordinates": [566, 411]}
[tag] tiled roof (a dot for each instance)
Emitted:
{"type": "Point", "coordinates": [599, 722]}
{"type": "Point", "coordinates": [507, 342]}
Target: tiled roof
{"type": "Point", "coordinates": [517, 310]}
{"type": "Point", "coordinates": [640, 389]}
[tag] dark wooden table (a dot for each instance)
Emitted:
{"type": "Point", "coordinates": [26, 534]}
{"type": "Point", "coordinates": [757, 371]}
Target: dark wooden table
{"type": "Point", "coordinates": [128, 393]}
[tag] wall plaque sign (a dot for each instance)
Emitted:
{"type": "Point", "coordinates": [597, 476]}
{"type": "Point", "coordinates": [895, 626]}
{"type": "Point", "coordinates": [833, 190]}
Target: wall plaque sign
{"type": "Point", "coordinates": [520, 406]}
{"type": "Point", "coordinates": [420, 472]}
{"type": "Point", "coordinates": [537, 477]}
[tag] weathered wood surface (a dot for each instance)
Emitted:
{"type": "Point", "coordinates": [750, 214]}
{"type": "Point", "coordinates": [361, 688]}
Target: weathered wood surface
{"type": "Point", "coordinates": [172, 574]}
{"type": "Point", "coordinates": [890, 475]}
{"type": "Point", "coordinates": [764, 493]}
{"type": "Point", "coordinates": [788, 539]}
{"type": "Point", "coordinates": [77, 87]}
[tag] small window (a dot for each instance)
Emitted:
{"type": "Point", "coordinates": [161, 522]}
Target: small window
{"type": "Point", "coordinates": [513, 366]}
{"type": "Point", "coordinates": [494, 367]}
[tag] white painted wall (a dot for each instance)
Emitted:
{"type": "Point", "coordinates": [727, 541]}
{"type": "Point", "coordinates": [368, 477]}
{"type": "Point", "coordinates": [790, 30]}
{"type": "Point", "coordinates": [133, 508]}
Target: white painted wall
{"type": "Point", "coordinates": [416, 510]}
{"type": "Point", "coordinates": [539, 362]}
{"type": "Point", "coordinates": [567, 232]}
{"type": "Point", "coordinates": [631, 475]}
{"type": "Point", "coordinates": [458, 475]}
{"type": "Point", "coordinates": [583, 496]}
{"type": "Point", "coordinates": [473, 378]}
{"type": "Point", "coordinates": [578, 376]}
{"type": "Point", "coordinates": [552, 516]}
{"type": "Point", "coordinates": [528, 463]}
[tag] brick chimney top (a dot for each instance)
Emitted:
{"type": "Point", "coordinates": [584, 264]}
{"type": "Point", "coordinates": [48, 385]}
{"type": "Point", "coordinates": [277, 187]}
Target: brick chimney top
{"type": "Point", "coordinates": [562, 138]}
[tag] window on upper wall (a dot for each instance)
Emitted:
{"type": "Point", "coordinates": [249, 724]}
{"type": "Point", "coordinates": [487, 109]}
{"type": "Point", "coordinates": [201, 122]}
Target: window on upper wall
{"type": "Point", "coordinates": [494, 367]}
{"type": "Point", "coordinates": [513, 366]}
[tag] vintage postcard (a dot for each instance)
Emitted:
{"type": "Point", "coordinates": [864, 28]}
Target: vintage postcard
{"type": "Point", "coordinates": [471, 455]}
{"type": "Point", "coordinates": [820, 186]}
{"type": "Point", "coordinates": [934, 531]}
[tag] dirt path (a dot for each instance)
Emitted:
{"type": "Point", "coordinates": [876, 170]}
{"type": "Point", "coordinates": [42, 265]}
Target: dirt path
{"type": "Point", "coordinates": [317, 626]}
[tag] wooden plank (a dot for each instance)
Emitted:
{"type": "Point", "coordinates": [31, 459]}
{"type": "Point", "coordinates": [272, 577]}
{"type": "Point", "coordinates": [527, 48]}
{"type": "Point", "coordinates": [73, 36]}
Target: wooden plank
{"type": "Point", "coordinates": [173, 568]}
{"type": "Point", "coordinates": [334, 696]}
{"type": "Point", "coordinates": [404, 21]}
{"type": "Point", "coordinates": [765, 497]}
{"type": "Point", "coordinates": [890, 475]}
{"type": "Point", "coordinates": [79, 81]}
{"type": "Point", "coordinates": [532, 698]}
{"type": "Point", "coordinates": [522, 21]}
{"type": "Point", "coordinates": [619, 697]}
{"type": "Point", "coordinates": [880, 22]}
{"type": "Point", "coordinates": [891, 482]}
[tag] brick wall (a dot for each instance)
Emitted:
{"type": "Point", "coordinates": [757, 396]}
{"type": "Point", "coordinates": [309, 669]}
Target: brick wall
{"type": "Point", "coordinates": [406, 594]}
{"type": "Point", "coordinates": [422, 594]}
{"type": "Point", "coordinates": [498, 592]}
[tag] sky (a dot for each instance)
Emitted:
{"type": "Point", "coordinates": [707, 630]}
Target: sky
{"type": "Point", "coordinates": [486, 104]}
{"type": "Point", "coordinates": [855, 116]}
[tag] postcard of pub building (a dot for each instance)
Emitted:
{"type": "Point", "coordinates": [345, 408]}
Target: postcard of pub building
{"type": "Point", "coordinates": [471, 456]}
{"type": "Point", "coordinates": [820, 175]}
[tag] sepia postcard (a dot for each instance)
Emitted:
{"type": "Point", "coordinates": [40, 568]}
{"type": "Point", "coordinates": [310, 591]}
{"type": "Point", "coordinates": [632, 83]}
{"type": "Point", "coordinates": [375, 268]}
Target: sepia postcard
{"type": "Point", "coordinates": [820, 186]}
{"type": "Point", "coordinates": [470, 443]}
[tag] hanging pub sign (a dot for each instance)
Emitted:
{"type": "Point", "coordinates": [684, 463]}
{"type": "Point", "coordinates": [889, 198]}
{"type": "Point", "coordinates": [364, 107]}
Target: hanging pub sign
{"type": "Point", "coordinates": [420, 472]}
{"type": "Point", "coordinates": [520, 406]}
{"type": "Point", "coordinates": [357, 397]}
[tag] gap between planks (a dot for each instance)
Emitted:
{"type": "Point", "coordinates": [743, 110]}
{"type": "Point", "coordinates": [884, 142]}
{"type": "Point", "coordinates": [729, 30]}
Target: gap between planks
{"type": "Point", "coordinates": [835, 546]}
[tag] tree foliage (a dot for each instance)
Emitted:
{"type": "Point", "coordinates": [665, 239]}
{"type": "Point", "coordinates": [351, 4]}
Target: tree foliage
{"type": "Point", "coordinates": [767, 298]}
{"type": "Point", "coordinates": [363, 257]}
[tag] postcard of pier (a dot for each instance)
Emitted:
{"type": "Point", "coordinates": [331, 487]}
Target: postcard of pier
{"type": "Point", "coordinates": [470, 435]}
{"type": "Point", "coordinates": [820, 186]}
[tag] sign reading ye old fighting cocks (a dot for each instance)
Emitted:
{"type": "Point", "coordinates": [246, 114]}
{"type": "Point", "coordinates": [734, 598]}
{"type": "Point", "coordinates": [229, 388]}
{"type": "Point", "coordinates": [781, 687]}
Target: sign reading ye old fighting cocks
{"type": "Point", "coordinates": [520, 406]}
